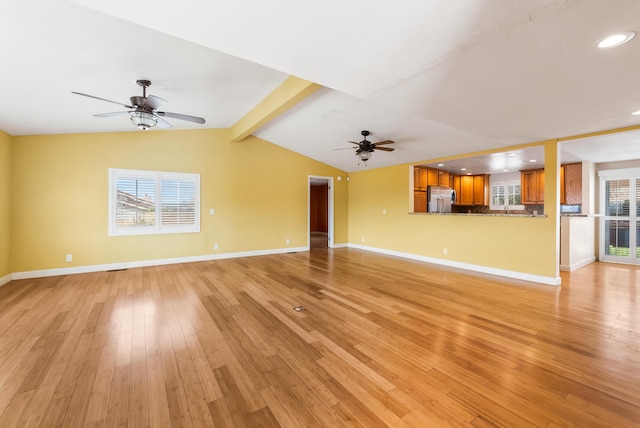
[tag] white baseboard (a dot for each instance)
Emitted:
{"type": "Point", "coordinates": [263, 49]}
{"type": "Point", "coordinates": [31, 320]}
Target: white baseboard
{"type": "Point", "coordinates": [145, 263]}
{"type": "Point", "coordinates": [547, 280]}
{"type": "Point", "coordinates": [5, 279]}
{"type": "Point", "coordinates": [571, 268]}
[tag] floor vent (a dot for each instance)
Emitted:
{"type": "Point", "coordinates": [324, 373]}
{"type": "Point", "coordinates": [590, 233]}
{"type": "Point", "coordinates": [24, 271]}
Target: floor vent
{"type": "Point", "coordinates": [299, 308]}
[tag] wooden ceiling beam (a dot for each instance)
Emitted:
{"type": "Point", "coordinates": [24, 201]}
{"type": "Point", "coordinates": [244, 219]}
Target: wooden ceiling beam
{"type": "Point", "coordinates": [289, 93]}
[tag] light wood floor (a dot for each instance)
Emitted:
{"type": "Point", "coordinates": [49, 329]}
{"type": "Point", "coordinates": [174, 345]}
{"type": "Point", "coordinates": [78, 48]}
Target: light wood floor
{"type": "Point", "coordinates": [382, 342]}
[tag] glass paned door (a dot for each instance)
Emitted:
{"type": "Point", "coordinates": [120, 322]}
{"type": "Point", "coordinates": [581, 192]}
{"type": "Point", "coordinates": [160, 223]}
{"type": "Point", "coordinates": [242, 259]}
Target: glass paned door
{"type": "Point", "coordinates": [619, 226]}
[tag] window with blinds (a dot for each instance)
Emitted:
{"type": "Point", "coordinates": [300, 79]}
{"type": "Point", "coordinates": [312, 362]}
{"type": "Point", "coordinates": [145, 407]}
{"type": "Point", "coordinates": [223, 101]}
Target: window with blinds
{"type": "Point", "coordinates": [616, 231]}
{"type": "Point", "coordinates": [151, 202]}
{"type": "Point", "coordinates": [507, 193]}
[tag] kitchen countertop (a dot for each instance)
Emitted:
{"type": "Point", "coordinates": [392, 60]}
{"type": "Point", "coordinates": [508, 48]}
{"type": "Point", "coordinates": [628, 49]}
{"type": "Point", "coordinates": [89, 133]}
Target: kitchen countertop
{"type": "Point", "coordinates": [486, 215]}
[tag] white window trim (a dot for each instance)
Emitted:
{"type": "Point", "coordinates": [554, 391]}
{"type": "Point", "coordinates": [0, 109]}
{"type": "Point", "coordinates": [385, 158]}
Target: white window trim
{"type": "Point", "coordinates": [505, 183]}
{"type": "Point", "coordinates": [158, 228]}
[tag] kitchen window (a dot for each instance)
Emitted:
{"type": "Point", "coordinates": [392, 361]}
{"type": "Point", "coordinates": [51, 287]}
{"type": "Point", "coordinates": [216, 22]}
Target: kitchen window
{"type": "Point", "coordinates": [506, 194]}
{"type": "Point", "coordinates": [152, 202]}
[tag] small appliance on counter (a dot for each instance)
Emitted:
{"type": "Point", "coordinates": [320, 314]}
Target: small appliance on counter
{"type": "Point", "coordinates": [439, 199]}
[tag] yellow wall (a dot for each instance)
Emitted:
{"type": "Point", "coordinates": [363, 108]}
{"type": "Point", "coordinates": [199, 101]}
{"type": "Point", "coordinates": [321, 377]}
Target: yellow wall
{"type": "Point", "coordinates": [5, 204]}
{"type": "Point", "coordinates": [520, 244]}
{"type": "Point", "coordinates": [60, 185]}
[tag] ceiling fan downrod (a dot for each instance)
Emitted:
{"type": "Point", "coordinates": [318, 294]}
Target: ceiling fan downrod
{"type": "Point", "coordinates": [145, 84]}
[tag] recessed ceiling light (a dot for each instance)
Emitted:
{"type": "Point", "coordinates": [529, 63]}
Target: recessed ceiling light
{"type": "Point", "coordinates": [440, 164]}
{"type": "Point", "coordinates": [463, 169]}
{"type": "Point", "coordinates": [532, 160]}
{"type": "Point", "coordinates": [468, 173]}
{"type": "Point", "coordinates": [636, 113]}
{"type": "Point", "coordinates": [615, 40]}
{"type": "Point", "coordinates": [505, 170]}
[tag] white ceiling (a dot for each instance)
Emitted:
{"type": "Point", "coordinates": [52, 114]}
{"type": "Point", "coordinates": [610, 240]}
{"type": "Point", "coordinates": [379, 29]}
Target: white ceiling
{"type": "Point", "coordinates": [438, 77]}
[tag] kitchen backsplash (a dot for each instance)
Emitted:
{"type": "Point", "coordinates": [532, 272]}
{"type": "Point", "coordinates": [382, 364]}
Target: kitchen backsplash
{"type": "Point", "coordinates": [481, 209]}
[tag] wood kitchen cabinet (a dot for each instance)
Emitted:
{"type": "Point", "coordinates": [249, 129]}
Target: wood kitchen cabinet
{"type": "Point", "coordinates": [471, 189]}
{"type": "Point", "coordinates": [419, 178]}
{"type": "Point", "coordinates": [419, 189]}
{"type": "Point", "coordinates": [443, 178]}
{"type": "Point", "coordinates": [466, 190]}
{"type": "Point", "coordinates": [571, 186]}
{"type": "Point", "coordinates": [432, 177]}
{"type": "Point", "coordinates": [532, 182]}
{"type": "Point", "coordinates": [481, 190]}
{"type": "Point", "coordinates": [562, 194]}
{"type": "Point", "coordinates": [419, 201]}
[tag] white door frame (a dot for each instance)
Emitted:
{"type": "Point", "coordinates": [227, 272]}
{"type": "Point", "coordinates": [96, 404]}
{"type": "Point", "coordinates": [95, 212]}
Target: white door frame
{"type": "Point", "coordinates": [330, 222]}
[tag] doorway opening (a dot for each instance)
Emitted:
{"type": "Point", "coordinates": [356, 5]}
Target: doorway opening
{"type": "Point", "coordinates": [320, 212]}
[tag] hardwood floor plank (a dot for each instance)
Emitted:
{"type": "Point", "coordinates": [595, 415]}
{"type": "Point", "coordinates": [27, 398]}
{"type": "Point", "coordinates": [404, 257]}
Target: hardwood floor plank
{"type": "Point", "coordinates": [100, 394]}
{"type": "Point", "coordinates": [118, 409]}
{"type": "Point", "coordinates": [16, 408]}
{"type": "Point", "coordinates": [79, 401]}
{"type": "Point", "coordinates": [138, 389]}
{"type": "Point", "coordinates": [220, 414]}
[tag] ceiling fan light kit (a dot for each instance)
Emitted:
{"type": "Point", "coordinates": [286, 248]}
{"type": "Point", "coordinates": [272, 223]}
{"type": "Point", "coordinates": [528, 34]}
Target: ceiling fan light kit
{"type": "Point", "coordinates": [364, 155]}
{"type": "Point", "coordinates": [143, 120]}
{"type": "Point", "coordinates": [144, 113]}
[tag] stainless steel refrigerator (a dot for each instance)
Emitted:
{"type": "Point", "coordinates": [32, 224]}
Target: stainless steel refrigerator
{"type": "Point", "coordinates": [439, 199]}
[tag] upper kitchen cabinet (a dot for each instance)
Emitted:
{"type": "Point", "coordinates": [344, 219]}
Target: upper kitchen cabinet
{"type": "Point", "coordinates": [419, 178]}
{"type": "Point", "coordinates": [443, 179]}
{"type": "Point", "coordinates": [466, 190]}
{"type": "Point", "coordinates": [571, 186]}
{"type": "Point", "coordinates": [481, 189]}
{"type": "Point", "coordinates": [471, 189]}
{"type": "Point", "coordinates": [532, 182]}
{"type": "Point", "coordinates": [419, 189]}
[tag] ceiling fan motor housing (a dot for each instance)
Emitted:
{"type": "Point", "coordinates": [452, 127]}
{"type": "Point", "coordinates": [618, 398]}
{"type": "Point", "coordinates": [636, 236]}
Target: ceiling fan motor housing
{"type": "Point", "coordinates": [137, 101]}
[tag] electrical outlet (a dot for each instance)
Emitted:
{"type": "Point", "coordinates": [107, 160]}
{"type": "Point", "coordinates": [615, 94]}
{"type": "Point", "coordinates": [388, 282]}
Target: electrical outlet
{"type": "Point", "coordinates": [288, 241]}
{"type": "Point", "coordinates": [212, 211]}
{"type": "Point", "coordinates": [215, 247]}
{"type": "Point", "coordinates": [384, 211]}
{"type": "Point", "coordinates": [445, 251]}
{"type": "Point", "coordinates": [69, 258]}
{"type": "Point", "coordinates": [363, 239]}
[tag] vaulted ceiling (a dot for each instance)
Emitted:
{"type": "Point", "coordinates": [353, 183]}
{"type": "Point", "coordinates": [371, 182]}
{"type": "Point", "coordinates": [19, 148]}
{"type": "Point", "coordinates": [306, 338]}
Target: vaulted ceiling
{"type": "Point", "coordinates": [439, 77]}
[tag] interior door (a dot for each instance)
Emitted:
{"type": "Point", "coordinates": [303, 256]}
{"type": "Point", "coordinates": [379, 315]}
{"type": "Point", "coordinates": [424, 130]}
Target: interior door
{"type": "Point", "coordinates": [619, 225]}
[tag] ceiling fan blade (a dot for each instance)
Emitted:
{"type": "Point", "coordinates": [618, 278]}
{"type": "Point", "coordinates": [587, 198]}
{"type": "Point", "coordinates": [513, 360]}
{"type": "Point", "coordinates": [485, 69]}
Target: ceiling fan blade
{"type": "Point", "coordinates": [115, 113]}
{"type": "Point", "coordinates": [180, 116]}
{"type": "Point", "coordinates": [353, 142]}
{"type": "Point", "coordinates": [101, 99]}
{"type": "Point", "coordinates": [380, 143]}
{"type": "Point", "coordinates": [346, 148]}
{"type": "Point", "coordinates": [163, 123]}
{"type": "Point", "coordinates": [152, 102]}
{"type": "Point", "coordinates": [386, 149]}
